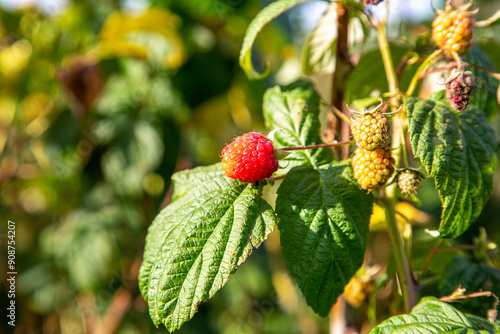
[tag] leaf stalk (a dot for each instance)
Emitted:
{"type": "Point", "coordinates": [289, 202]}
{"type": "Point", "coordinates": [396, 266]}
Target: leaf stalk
{"type": "Point", "coordinates": [294, 148]}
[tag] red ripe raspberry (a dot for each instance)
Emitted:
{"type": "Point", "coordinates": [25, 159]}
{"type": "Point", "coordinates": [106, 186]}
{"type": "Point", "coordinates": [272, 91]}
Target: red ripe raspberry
{"type": "Point", "coordinates": [249, 158]}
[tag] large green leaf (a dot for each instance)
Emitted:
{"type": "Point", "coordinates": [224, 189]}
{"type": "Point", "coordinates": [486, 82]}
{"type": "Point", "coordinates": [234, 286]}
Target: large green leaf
{"type": "Point", "coordinates": [265, 16]}
{"type": "Point", "coordinates": [458, 149]}
{"type": "Point", "coordinates": [485, 324]}
{"type": "Point", "coordinates": [318, 52]}
{"type": "Point", "coordinates": [485, 96]}
{"type": "Point", "coordinates": [197, 242]}
{"type": "Point", "coordinates": [430, 316]}
{"type": "Point", "coordinates": [295, 110]}
{"type": "Point", "coordinates": [324, 220]}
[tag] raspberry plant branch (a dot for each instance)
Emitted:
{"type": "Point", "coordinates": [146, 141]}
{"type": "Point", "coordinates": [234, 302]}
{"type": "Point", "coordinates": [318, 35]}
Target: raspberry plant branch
{"type": "Point", "coordinates": [453, 64]}
{"type": "Point", "coordinates": [453, 297]}
{"type": "Point", "coordinates": [342, 70]}
{"type": "Point", "coordinates": [390, 72]}
{"type": "Point", "coordinates": [316, 146]}
{"type": "Point", "coordinates": [406, 279]}
{"type": "Point", "coordinates": [403, 269]}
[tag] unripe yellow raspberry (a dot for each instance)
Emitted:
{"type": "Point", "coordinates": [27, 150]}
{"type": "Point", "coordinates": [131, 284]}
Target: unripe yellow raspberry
{"type": "Point", "coordinates": [371, 130]}
{"type": "Point", "coordinates": [372, 169]}
{"type": "Point", "coordinates": [453, 30]}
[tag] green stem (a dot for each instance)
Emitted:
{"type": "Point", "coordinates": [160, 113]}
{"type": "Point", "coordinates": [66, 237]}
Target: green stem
{"type": "Point", "coordinates": [403, 148]}
{"type": "Point", "coordinates": [403, 269]}
{"type": "Point", "coordinates": [428, 62]}
{"type": "Point", "coordinates": [390, 72]}
{"type": "Point", "coordinates": [405, 275]}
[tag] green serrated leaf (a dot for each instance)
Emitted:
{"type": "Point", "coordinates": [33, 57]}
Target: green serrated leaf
{"type": "Point", "coordinates": [197, 242]}
{"type": "Point", "coordinates": [481, 323]}
{"type": "Point", "coordinates": [324, 220]}
{"type": "Point", "coordinates": [318, 52]}
{"type": "Point", "coordinates": [319, 47]}
{"type": "Point", "coordinates": [265, 16]}
{"type": "Point", "coordinates": [458, 149]}
{"type": "Point", "coordinates": [430, 316]}
{"type": "Point", "coordinates": [485, 96]}
{"type": "Point", "coordinates": [295, 110]}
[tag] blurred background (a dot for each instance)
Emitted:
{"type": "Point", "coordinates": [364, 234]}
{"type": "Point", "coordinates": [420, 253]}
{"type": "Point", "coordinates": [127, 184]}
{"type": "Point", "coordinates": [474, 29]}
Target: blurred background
{"type": "Point", "coordinates": [101, 101]}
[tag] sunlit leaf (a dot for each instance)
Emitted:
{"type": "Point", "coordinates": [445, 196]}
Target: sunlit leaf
{"type": "Point", "coordinates": [485, 95]}
{"type": "Point", "coordinates": [323, 226]}
{"type": "Point", "coordinates": [430, 316]}
{"type": "Point", "coordinates": [265, 16]}
{"type": "Point", "coordinates": [458, 149]}
{"type": "Point", "coordinates": [295, 110]}
{"type": "Point", "coordinates": [318, 53]}
{"type": "Point", "coordinates": [196, 243]}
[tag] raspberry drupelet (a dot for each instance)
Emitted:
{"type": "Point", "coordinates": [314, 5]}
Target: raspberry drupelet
{"type": "Point", "coordinates": [249, 158]}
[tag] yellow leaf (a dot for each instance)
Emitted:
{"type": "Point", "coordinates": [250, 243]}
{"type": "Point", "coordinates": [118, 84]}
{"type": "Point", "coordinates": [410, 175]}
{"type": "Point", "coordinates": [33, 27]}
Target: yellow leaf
{"type": "Point", "coordinates": [118, 48]}
{"type": "Point", "coordinates": [119, 27]}
{"type": "Point", "coordinates": [405, 213]}
{"type": "Point", "coordinates": [119, 24]}
{"type": "Point", "coordinates": [14, 58]}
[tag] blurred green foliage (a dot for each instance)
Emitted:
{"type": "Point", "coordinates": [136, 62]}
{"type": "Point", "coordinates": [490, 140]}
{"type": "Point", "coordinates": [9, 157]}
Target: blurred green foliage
{"type": "Point", "coordinates": [99, 105]}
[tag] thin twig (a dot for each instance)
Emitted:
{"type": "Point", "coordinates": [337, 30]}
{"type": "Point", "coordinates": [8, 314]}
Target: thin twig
{"type": "Point", "coordinates": [457, 248]}
{"type": "Point", "coordinates": [341, 115]}
{"type": "Point", "coordinates": [316, 146]}
{"type": "Point", "coordinates": [121, 302]}
{"type": "Point", "coordinates": [433, 252]}
{"type": "Point", "coordinates": [454, 64]}
{"type": "Point", "coordinates": [277, 177]}
{"type": "Point", "coordinates": [470, 295]}
{"type": "Point", "coordinates": [423, 67]}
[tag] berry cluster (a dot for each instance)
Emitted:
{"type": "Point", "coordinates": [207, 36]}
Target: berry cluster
{"type": "Point", "coordinates": [249, 158]}
{"type": "Point", "coordinates": [453, 29]}
{"type": "Point", "coordinates": [372, 162]}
